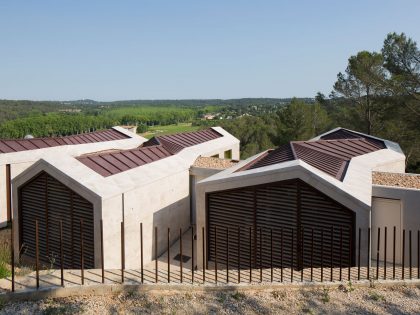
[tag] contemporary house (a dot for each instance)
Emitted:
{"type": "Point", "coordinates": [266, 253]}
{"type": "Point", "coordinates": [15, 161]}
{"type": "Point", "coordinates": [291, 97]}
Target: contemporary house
{"type": "Point", "coordinates": [17, 155]}
{"type": "Point", "coordinates": [148, 184]}
{"type": "Point", "coordinates": [321, 186]}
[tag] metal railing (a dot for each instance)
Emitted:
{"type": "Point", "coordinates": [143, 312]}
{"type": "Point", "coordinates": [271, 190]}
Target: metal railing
{"type": "Point", "coordinates": [249, 252]}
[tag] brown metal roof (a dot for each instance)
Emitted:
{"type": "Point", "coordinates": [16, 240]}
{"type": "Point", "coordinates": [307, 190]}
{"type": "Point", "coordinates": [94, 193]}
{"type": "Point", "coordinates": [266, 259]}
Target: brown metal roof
{"type": "Point", "coordinates": [110, 163]}
{"type": "Point", "coordinates": [8, 146]}
{"type": "Point", "coordinates": [329, 156]}
{"type": "Point", "coordinates": [348, 134]}
{"type": "Point", "coordinates": [176, 142]}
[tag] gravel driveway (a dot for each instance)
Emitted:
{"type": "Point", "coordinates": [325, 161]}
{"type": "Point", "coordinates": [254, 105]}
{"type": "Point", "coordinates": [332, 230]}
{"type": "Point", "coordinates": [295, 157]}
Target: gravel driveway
{"type": "Point", "coordinates": [384, 300]}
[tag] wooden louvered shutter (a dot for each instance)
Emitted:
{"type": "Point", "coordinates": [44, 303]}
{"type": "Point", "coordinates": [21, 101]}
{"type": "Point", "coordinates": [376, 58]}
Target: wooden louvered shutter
{"type": "Point", "coordinates": [32, 202]}
{"type": "Point", "coordinates": [59, 208]}
{"type": "Point", "coordinates": [46, 199]}
{"type": "Point", "coordinates": [321, 212]}
{"type": "Point", "coordinates": [229, 210]}
{"type": "Point", "coordinates": [83, 209]}
{"type": "Point", "coordinates": [288, 208]}
{"type": "Point", "coordinates": [276, 210]}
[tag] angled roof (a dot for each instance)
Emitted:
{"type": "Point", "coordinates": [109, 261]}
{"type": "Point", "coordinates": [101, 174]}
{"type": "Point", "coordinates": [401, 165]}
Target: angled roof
{"type": "Point", "coordinates": [10, 146]}
{"type": "Point", "coordinates": [349, 134]}
{"type": "Point", "coordinates": [110, 163]}
{"type": "Point", "coordinates": [176, 142]}
{"type": "Point", "coordinates": [329, 156]}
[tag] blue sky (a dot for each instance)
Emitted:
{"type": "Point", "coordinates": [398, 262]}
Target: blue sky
{"type": "Point", "coordinates": [114, 50]}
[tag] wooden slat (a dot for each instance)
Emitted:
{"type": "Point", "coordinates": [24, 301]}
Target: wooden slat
{"type": "Point", "coordinates": [62, 204]}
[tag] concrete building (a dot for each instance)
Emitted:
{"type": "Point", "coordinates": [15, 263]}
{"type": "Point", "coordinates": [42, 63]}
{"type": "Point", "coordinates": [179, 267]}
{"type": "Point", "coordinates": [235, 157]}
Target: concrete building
{"type": "Point", "coordinates": [299, 187]}
{"type": "Point", "coordinates": [148, 184]}
{"type": "Point", "coordinates": [17, 155]}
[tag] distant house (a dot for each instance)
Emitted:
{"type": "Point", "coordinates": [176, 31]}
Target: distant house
{"type": "Point", "coordinates": [209, 116]}
{"type": "Point", "coordinates": [17, 155]}
{"type": "Point", "coordinates": [150, 184]}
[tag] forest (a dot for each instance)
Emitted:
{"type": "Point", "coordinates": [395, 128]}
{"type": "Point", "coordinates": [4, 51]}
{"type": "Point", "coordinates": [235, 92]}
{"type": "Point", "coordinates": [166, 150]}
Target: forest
{"type": "Point", "coordinates": [378, 94]}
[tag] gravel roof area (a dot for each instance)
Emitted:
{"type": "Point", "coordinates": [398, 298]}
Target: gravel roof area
{"type": "Point", "coordinates": [396, 179]}
{"type": "Point", "coordinates": [212, 162]}
{"type": "Point", "coordinates": [343, 300]}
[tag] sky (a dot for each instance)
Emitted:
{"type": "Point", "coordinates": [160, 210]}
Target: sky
{"type": "Point", "coordinates": [153, 49]}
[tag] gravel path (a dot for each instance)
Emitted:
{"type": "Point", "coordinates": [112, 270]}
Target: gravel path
{"type": "Point", "coordinates": [384, 300]}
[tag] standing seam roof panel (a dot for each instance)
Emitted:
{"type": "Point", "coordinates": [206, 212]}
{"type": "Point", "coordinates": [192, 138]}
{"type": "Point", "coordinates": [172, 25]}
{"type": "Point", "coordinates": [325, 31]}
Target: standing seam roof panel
{"type": "Point", "coordinates": [9, 146]}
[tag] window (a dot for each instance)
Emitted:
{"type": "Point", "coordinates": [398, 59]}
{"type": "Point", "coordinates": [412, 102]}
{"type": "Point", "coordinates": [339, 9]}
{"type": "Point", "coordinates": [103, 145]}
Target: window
{"type": "Point", "coordinates": [228, 154]}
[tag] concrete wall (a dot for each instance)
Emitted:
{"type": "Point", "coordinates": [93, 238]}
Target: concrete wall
{"type": "Point", "coordinates": [410, 205]}
{"type": "Point", "coordinates": [164, 203]}
{"type": "Point", "coordinates": [196, 175]}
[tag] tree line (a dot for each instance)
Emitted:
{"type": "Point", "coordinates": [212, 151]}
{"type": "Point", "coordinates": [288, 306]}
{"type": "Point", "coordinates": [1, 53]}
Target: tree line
{"type": "Point", "coordinates": [378, 94]}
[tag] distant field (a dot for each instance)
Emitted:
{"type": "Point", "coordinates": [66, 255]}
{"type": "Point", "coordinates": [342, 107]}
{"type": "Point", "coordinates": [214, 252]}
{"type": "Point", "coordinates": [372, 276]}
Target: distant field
{"type": "Point", "coordinates": [170, 129]}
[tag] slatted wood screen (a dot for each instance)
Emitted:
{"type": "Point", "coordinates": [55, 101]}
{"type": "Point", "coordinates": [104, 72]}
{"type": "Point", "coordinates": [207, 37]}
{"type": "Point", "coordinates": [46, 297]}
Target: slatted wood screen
{"type": "Point", "coordinates": [290, 209]}
{"type": "Point", "coordinates": [46, 199]}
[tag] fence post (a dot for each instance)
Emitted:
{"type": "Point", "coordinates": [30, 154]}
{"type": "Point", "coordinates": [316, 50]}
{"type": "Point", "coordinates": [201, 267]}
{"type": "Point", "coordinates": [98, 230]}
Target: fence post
{"type": "Point", "coordinates": [418, 254]}
{"type": "Point", "coordinates": [368, 256]}
{"type": "Point", "coordinates": [204, 254]}
{"type": "Point", "coordinates": [350, 252]}
{"type": "Point", "coordinates": [385, 251]}
{"type": "Point", "coordinates": [312, 254]}
{"type": "Point", "coordinates": [37, 253]}
{"type": "Point", "coordinates": [302, 251]}
{"type": "Point", "coordinates": [61, 253]}
{"type": "Point", "coordinates": [169, 255]}
{"type": "Point", "coordinates": [331, 254]}
{"type": "Point", "coordinates": [215, 254]}
{"type": "Point", "coordinates": [293, 258]}
{"type": "Point", "coordinates": [82, 252]}
{"type": "Point", "coordinates": [403, 256]}
{"type": "Point", "coordinates": [410, 252]}
{"type": "Point", "coordinates": [322, 254]}
{"type": "Point", "coordinates": [250, 254]}
{"type": "Point", "coordinates": [192, 254]}
{"type": "Point", "coordinates": [141, 253]}
{"type": "Point", "coordinates": [227, 254]}
{"type": "Point", "coordinates": [12, 254]}
{"type": "Point", "coordinates": [239, 254]}
{"type": "Point", "coordinates": [271, 254]}
{"type": "Point", "coordinates": [393, 254]}
{"type": "Point", "coordinates": [102, 252]}
{"type": "Point", "coordinates": [281, 255]}
{"type": "Point", "coordinates": [341, 252]}
{"type": "Point", "coordinates": [180, 253]}
{"type": "Point", "coordinates": [156, 255]}
{"type": "Point", "coordinates": [122, 252]}
{"type": "Point", "coordinates": [377, 253]}
{"type": "Point", "coordinates": [358, 253]}
{"type": "Point", "coordinates": [261, 260]}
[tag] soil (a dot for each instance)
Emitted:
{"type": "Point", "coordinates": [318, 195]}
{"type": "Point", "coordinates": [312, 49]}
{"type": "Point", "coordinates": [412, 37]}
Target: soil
{"type": "Point", "coordinates": [343, 300]}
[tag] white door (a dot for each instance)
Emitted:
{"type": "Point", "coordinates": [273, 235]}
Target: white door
{"type": "Point", "coordinates": [386, 213]}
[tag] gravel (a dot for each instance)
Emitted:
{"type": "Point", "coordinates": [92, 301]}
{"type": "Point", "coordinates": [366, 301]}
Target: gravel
{"type": "Point", "coordinates": [212, 162]}
{"type": "Point", "coordinates": [396, 179]}
{"type": "Point", "coordinates": [346, 299]}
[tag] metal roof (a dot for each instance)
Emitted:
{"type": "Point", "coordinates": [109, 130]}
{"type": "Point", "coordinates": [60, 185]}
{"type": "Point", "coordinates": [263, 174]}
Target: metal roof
{"type": "Point", "coordinates": [157, 148]}
{"type": "Point", "coordinates": [8, 146]}
{"type": "Point", "coordinates": [176, 142]}
{"type": "Point", "coordinates": [111, 163]}
{"type": "Point", "coordinates": [329, 156]}
{"type": "Point", "coordinates": [348, 134]}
